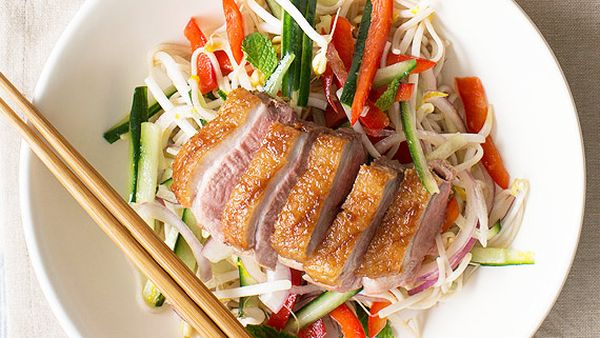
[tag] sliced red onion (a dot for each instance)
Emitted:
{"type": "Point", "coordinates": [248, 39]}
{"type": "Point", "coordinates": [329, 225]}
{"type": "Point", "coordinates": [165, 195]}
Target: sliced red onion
{"type": "Point", "coordinates": [253, 268]}
{"type": "Point", "coordinates": [216, 251]}
{"type": "Point", "coordinates": [156, 211]}
{"type": "Point", "coordinates": [275, 300]}
{"type": "Point", "coordinates": [422, 287]}
{"type": "Point", "coordinates": [456, 250]}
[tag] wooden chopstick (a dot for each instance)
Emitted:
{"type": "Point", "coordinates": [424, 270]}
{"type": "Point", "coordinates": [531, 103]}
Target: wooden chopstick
{"type": "Point", "coordinates": [120, 210]}
{"type": "Point", "coordinates": [117, 233]}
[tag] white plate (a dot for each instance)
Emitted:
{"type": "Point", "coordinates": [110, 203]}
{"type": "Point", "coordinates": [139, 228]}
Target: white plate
{"type": "Point", "coordinates": [87, 84]}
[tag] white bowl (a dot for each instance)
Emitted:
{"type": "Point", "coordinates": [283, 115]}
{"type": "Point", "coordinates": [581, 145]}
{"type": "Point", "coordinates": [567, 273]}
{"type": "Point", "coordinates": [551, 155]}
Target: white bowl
{"type": "Point", "coordinates": [87, 84]}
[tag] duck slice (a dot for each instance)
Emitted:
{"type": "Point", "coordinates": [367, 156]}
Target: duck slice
{"type": "Point", "coordinates": [262, 190]}
{"type": "Point", "coordinates": [336, 258]}
{"type": "Point", "coordinates": [209, 165]}
{"type": "Point", "coordinates": [407, 231]}
{"type": "Point", "coordinates": [313, 202]}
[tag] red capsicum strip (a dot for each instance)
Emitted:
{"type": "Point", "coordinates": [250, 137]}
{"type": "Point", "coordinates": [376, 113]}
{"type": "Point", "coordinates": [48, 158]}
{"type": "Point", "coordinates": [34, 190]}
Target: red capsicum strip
{"type": "Point", "coordinates": [376, 324]}
{"type": "Point", "coordinates": [207, 79]}
{"type": "Point", "coordinates": [235, 28]}
{"type": "Point", "coordinates": [348, 322]}
{"type": "Point", "coordinates": [374, 119]}
{"type": "Point", "coordinates": [381, 23]}
{"type": "Point", "coordinates": [422, 64]}
{"type": "Point", "coordinates": [314, 330]}
{"type": "Point", "coordinates": [452, 212]}
{"type": "Point", "coordinates": [279, 319]}
{"type": "Point", "coordinates": [472, 94]}
{"type": "Point", "coordinates": [343, 40]}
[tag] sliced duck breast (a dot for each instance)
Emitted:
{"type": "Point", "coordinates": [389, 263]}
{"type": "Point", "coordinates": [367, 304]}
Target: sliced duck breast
{"type": "Point", "coordinates": [261, 192]}
{"type": "Point", "coordinates": [335, 260]}
{"type": "Point", "coordinates": [407, 231]}
{"type": "Point", "coordinates": [313, 202]}
{"type": "Point", "coordinates": [209, 165]}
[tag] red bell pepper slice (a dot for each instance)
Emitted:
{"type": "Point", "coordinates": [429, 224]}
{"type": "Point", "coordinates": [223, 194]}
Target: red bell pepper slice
{"type": "Point", "coordinates": [279, 319]}
{"type": "Point", "coordinates": [314, 330]}
{"type": "Point", "coordinates": [343, 41]}
{"type": "Point", "coordinates": [207, 78]}
{"type": "Point", "coordinates": [235, 28]}
{"type": "Point", "coordinates": [375, 118]}
{"type": "Point", "coordinates": [376, 324]}
{"type": "Point", "coordinates": [422, 64]}
{"type": "Point", "coordinates": [405, 92]}
{"type": "Point", "coordinates": [224, 62]}
{"type": "Point", "coordinates": [348, 322]}
{"type": "Point", "coordinates": [452, 212]}
{"type": "Point", "coordinates": [474, 100]}
{"type": "Point", "coordinates": [381, 23]}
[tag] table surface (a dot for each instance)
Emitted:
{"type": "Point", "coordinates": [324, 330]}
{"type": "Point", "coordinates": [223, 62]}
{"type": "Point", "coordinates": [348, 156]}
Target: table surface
{"type": "Point", "coordinates": [30, 28]}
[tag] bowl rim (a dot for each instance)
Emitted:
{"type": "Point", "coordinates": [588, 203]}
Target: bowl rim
{"type": "Point", "coordinates": [32, 240]}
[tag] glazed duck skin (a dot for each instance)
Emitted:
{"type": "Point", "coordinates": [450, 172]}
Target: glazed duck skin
{"type": "Point", "coordinates": [313, 202]}
{"type": "Point", "coordinates": [262, 190]}
{"type": "Point", "coordinates": [336, 258]}
{"type": "Point", "coordinates": [209, 165]}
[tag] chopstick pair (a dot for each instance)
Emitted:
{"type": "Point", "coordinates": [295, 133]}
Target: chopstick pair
{"type": "Point", "coordinates": [195, 303]}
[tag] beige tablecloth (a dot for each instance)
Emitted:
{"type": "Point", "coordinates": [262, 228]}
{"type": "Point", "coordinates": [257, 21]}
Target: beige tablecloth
{"type": "Point", "coordinates": [29, 29]}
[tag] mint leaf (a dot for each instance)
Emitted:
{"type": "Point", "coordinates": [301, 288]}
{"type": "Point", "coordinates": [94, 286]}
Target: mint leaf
{"type": "Point", "coordinates": [260, 53]}
{"type": "Point", "coordinates": [263, 331]}
{"type": "Point", "coordinates": [387, 99]}
{"type": "Point", "coordinates": [386, 332]}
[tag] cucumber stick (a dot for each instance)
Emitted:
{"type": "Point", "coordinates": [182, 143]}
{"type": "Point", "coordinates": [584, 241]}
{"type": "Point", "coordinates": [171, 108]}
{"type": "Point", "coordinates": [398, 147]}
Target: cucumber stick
{"type": "Point", "coordinates": [139, 115]}
{"type": "Point", "coordinates": [501, 256]}
{"type": "Point", "coordinates": [275, 8]}
{"type": "Point", "coordinates": [150, 153]}
{"type": "Point", "coordinates": [416, 152]}
{"type": "Point", "coordinates": [306, 59]}
{"type": "Point", "coordinates": [151, 294]}
{"type": "Point", "coordinates": [245, 280]}
{"type": "Point", "coordinates": [274, 82]}
{"type": "Point", "coordinates": [390, 73]}
{"type": "Point", "coordinates": [350, 86]}
{"type": "Point", "coordinates": [291, 43]}
{"type": "Point", "coordinates": [114, 133]}
{"type": "Point", "coordinates": [318, 308]}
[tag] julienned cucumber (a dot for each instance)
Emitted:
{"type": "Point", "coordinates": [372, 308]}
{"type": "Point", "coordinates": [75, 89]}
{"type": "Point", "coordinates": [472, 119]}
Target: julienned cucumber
{"type": "Point", "coordinates": [501, 256]}
{"type": "Point", "coordinates": [415, 150]}
{"type": "Point", "coordinates": [273, 84]}
{"type": "Point", "coordinates": [306, 59]}
{"type": "Point", "coordinates": [494, 230]}
{"type": "Point", "coordinates": [138, 115]}
{"type": "Point", "coordinates": [350, 87]}
{"type": "Point", "coordinates": [388, 74]}
{"type": "Point", "coordinates": [276, 9]}
{"type": "Point", "coordinates": [291, 43]}
{"type": "Point", "coordinates": [152, 296]}
{"type": "Point", "coordinates": [245, 280]}
{"type": "Point", "coordinates": [114, 134]}
{"type": "Point", "coordinates": [150, 153]}
{"type": "Point", "coordinates": [318, 308]}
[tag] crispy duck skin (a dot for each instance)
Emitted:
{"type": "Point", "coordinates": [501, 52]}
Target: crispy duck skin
{"type": "Point", "coordinates": [336, 258]}
{"type": "Point", "coordinates": [313, 202]}
{"type": "Point", "coordinates": [406, 233]}
{"type": "Point", "coordinates": [209, 165]}
{"type": "Point", "coordinates": [258, 197]}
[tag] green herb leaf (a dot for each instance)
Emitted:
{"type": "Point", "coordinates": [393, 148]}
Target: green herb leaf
{"type": "Point", "coordinates": [386, 332]}
{"type": "Point", "coordinates": [260, 53]}
{"type": "Point", "coordinates": [263, 331]}
{"type": "Point", "coordinates": [387, 99]}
